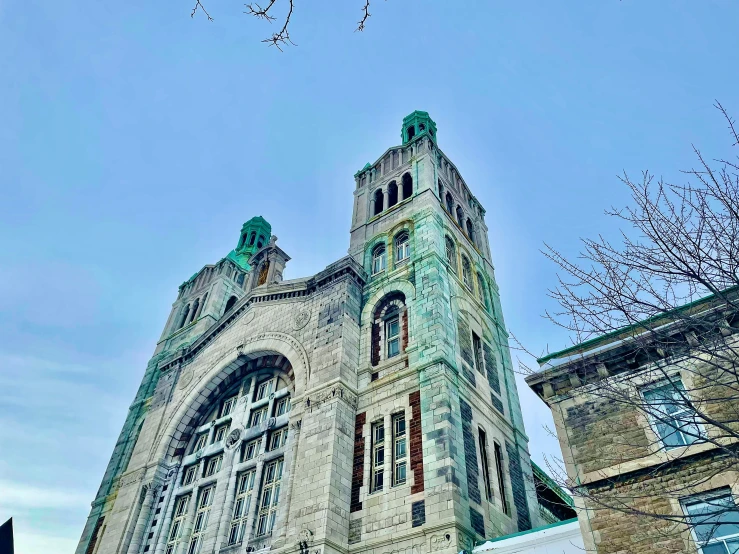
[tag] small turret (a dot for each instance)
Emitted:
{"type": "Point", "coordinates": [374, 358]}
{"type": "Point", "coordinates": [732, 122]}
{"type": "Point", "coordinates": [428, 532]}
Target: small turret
{"type": "Point", "coordinates": [417, 124]}
{"type": "Point", "coordinates": [255, 234]}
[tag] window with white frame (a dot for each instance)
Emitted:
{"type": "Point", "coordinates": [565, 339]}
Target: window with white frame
{"type": "Point", "coordinates": [264, 389]}
{"type": "Point", "coordinates": [483, 443]}
{"type": "Point", "coordinates": [205, 501]}
{"type": "Point", "coordinates": [220, 433]}
{"type": "Point", "coordinates": [189, 475]}
{"type": "Point", "coordinates": [378, 457]}
{"type": "Point", "coordinates": [277, 439]}
{"type": "Point", "coordinates": [251, 449]}
{"type": "Point", "coordinates": [400, 450]}
{"type": "Point", "coordinates": [402, 248]}
{"type": "Point", "coordinates": [200, 442]}
{"type": "Point", "coordinates": [244, 489]}
{"type": "Point", "coordinates": [379, 259]}
{"type": "Point", "coordinates": [477, 349]}
{"type": "Point", "coordinates": [671, 412]}
{"type": "Point", "coordinates": [178, 519]}
{"type": "Point", "coordinates": [467, 273]}
{"type": "Point", "coordinates": [257, 416]}
{"type": "Point", "coordinates": [451, 253]}
{"type": "Point", "coordinates": [282, 406]}
{"type": "Point", "coordinates": [227, 406]}
{"type": "Point", "coordinates": [501, 478]}
{"type": "Point", "coordinates": [213, 465]}
{"type": "Point", "coordinates": [270, 497]}
{"type": "Point", "coordinates": [392, 335]}
{"type": "Point", "coordinates": [714, 521]}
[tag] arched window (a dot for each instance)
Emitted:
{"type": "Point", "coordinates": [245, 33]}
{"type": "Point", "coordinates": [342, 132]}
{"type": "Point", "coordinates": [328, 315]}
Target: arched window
{"type": "Point", "coordinates": [240, 279]}
{"type": "Point", "coordinates": [441, 191]}
{"type": "Point", "coordinates": [230, 304]}
{"type": "Point", "coordinates": [252, 238]}
{"type": "Point", "coordinates": [460, 217]}
{"type": "Point", "coordinates": [389, 328]}
{"type": "Point", "coordinates": [482, 285]}
{"type": "Point", "coordinates": [252, 499]}
{"type": "Point", "coordinates": [449, 203]}
{"type": "Point", "coordinates": [402, 248]}
{"type": "Point", "coordinates": [379, 259]}
{"type": "Point", "coordinates": [260, 242]}
{"type": "Point", "coordinates": [407, 182]}
{"type": "Point", "coordinates": [451, 253]}
{"type": "Point", "coordinates": [467, 272]}
{"type": "Point", "coordinates": [411, 132]}
{"type": "Point", "coordinates": [184, 317]}
{"type": "Point", "coordinates": [379, 198]}
{"type": "Point", "coordinates": [392, 194]}
{"type": "Point", "coordinates": [470, 231]}
{"type": "Point", "coordinates": [195, 307]}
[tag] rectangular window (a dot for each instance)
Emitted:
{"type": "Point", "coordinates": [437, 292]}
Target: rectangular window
{"type": "Point", "coordinates": [205, 499]}
{"type": "Point", "coordinates": [714, 520]}
{"type": "Point", "coordinates": [400, 450]}
{"type": "Point", "coordinates": [200, 442]}
{"type": "Point", "coordinates": [264, 389]}
{"type": "Point", "coordinates": [378, 456]}
{"type": "Point", "coordinates": [277, 439]}
{"type": "Point", "coordinates": [257, 417]}
{"type": "Point", "coordinates": [283, 406]}
{"type": "Point", "coordinates": [189, 475]}
{"type": "Point", "coordinates": [672, 413]}
{"type": "Point", "coordinates": [220, 433]}
{"type": "Point", "coordinates": [477, 348]}
{"type": "Point", "coordinates": [501, 478]}
{"type": "Point", "coordinates": [227, 406]}
{"type": "Point", "coordinates": [251, 449]}
{"type": "Point", "coordinates": [483, 442]}
{"type": "Point", "coordinates": [244, 488]}
{"type": "Point", "coordinates": [213, 465]}
{"type": "Point", "coordinates": [392, 336]}
{"type": "Point", "coordinates": [270, 497]}
{"type": "Point", "coordinates": [178, 518]}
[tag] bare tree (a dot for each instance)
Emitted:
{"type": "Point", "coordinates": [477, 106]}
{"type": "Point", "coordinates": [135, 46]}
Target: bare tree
{"type": "Point", "coordinates": [667, 296]}
{"type": "Point", "coordinates": [267, 13]}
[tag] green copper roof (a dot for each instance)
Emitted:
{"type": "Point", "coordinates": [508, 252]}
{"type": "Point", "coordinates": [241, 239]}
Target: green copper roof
{"type": "Point", "coordinates": [559, 491]}
{"type": "Point", "coordinates": [417, 124]}
{"type": "Point", "coordinates": [255, 233]}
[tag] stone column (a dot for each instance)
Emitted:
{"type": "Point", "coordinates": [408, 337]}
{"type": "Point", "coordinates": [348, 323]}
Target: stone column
{"type": "Point", "coordinates": [160, 539]}
{"type": "Point", "coordinates": [221, 534]}
{"type": "Point", "coordinates": [289, 468]}
{"type": "Point", "coordinates": [143, 518]}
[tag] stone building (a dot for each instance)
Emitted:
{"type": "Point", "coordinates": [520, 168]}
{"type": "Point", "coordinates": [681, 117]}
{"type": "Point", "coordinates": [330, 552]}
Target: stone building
{"type": "Point", "coordinates": [369, 408]}
{"type": "Point", "coordinates": [647, 422]}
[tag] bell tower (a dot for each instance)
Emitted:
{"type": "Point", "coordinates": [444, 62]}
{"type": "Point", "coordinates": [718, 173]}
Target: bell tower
{"type": "Point", "coordinates": [255, 234]}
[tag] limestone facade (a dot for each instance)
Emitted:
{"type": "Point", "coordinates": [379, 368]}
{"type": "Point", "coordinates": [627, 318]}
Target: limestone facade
{"type": "Point", "coordinates": [370, 408]}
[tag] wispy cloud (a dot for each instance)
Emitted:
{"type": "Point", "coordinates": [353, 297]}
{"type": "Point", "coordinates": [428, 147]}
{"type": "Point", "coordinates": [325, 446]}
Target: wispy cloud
{"type": "Point", "coordinates": [16, 497]}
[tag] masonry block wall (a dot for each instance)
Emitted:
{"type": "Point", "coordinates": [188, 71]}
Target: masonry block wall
{"type": "Point", "coordinates": [370, 408]}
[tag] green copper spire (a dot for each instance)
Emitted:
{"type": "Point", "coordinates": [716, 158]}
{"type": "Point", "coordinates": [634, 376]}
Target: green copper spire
{"type": "Point", "coordinates": [255, 234]}
{"type": "Point", "coordinates": [417, 124]}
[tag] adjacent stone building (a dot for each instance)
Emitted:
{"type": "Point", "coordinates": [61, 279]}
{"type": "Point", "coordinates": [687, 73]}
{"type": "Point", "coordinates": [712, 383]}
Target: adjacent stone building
{"type": "Point", "coordinates": [647, 421]}
{"type": "Point", "coordinates": [370, 408]}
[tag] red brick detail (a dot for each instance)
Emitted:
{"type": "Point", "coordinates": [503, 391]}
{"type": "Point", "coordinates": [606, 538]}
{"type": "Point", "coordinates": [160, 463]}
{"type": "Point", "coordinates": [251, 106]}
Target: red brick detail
{"type": "Point", "coordinates": [358, 465]}
{"type": "Point", "coordinates": [416, 448]}
{"type": "Point", "coordinates": [404, 324]}
{"type": "Point", "coordinates": [375, 346]}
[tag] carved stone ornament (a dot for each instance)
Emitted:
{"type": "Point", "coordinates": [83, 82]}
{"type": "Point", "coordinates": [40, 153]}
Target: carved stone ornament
{"type": "Point", "coordinates": [233, 438]}
{"type": "Point", "coordinates": [439, 542]}
{"type": "Point", "coordinates": [248, 318]}
{"type": "Point", "coordinates": [271, 422]}
{"type": "Point", "coordinates": [185, 378]}
{"type": "Point", "coordinates": [306, 536]}
{"type": "Point", "coordinates": [301, 319]}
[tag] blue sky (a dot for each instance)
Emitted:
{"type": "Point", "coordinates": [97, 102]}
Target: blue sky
{"type": "Point", "coordinates": [135, 141]}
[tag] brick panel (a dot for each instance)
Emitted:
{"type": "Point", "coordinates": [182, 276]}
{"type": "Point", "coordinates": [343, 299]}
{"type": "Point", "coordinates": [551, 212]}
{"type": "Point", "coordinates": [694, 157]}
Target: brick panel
{"type": "Point", "coordinates": [358, 465]}
{"type": "Point", "coordinates": [416, 440]}
{"type": "Point", "coordinates": [477, 522]}
{"type": "Point", "coordinates": [519, 488]}
{"type": "Point", "coordinates": [492, 367]}
{"type": "Point", "coordinates": [470, 453]}
{"type": "Point", "coordinates": [418, 513]}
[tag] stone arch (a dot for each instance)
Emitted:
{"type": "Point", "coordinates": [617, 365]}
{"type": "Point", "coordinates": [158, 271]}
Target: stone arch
{"type": "Point", "coordinates": [258, 351]}
{"type": "Point", "coordinates": [397, 285]}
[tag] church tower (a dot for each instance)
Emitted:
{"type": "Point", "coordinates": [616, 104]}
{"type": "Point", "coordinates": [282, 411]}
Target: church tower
{"type": "Point", "coordinates": [370, 408]}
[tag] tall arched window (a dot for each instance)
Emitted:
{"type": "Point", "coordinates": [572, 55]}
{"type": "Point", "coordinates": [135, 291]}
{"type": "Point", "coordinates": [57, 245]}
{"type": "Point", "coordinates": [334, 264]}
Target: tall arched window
{"type": "Point", "coordinates": [379, 199]}
{"type": "Point", "coordinates": [392, 194]}
{"type": "Point", "coordinates": [449, 203]}
{"type": "Point", "coordinates": [230, 303]}
{"type": "Point", "coordinates": [389, 328]}
{"type": "Point", "coordinates": [482, 284]}
{"type": "Point", "coordinates": [184, 316]}
{"type": "Point", "coordinates": [195, 307]}
{"type": "Point", "coordinates": [260, 242]}
{"type": "Point", "coordinates": [411, 132]}
{"type": "Point", "coordinates": [379, 259]}
{"type": "Point", "coordinates": [470, 231]}
{"type": "Point", "coordinates": [252, 238]}
{"type": "Point", "coordinates": [451, 253]}
{"type": "Point", "coordinates": [259, 466]}
{"type": "Point", "coordinates": [467, 272]}
{"type": "Point", "coordinates": [460, 217]}
{"type": "Point", "coordinates": [402, 248]}
{"type": "Point", "coordinates": [407, 182]}
{"type": "Point", "coordinates": [441, 191]}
